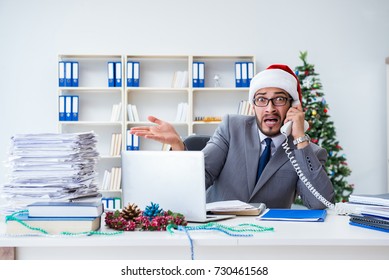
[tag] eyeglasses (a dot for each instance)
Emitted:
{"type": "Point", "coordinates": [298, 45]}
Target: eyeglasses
{"type": "Point", "coordinates": [277, 101]}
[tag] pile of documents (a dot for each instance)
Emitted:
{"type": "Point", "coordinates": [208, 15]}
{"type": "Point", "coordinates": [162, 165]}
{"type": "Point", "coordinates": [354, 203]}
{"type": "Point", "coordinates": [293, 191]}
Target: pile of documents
{"type": "Point", "coordinates": [370, 211]}
{"type": "Point", "coordinates": [235, 207]}
{"type": "Point", "coordinates": [50, 167]}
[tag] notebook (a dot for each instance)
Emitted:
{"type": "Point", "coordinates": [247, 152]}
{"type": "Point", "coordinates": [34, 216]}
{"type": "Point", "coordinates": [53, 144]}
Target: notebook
{"type": "Point", "coordinates": [175, 180]}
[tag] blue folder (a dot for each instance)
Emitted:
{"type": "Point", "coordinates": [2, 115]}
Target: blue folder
{"type": "Point", "coordinates": [129, 141]}
{"type": "Point", "coordinates": [250, 72]}
{"type": "Point", "coordinates": [111, 73]}
{"type": "Point", "coordinates": [195, 74]}
{"type": "Point", "coordinates": [75, 107]}
{"type": "Point", "coordinates": [74, 74]}
{"type": "Point", "coordinates": [238, 74]}
{"type": "Point", "coordinates": [370, 222]}
{"type": "Point", "coordinates": [68, 107]}
{"type": "Point", "coordinates": [369, 227]}
{"type": "Point", "coordinates": [244, 74]}
{"type": "Point", "coordinates": [61, 109]}
{"type": "Point", "coordinates": [135, 142]}
{"type": "Point", "coordinates": [61, 73]}
{"type": "Point", "coordinates": [118, 74]}
{"type": "Point", "coordinates": [130, 75]}
{"type": "Point", "coordinates": [136, 73]}
{"type": "Point", "coordinates": [68, 73]}
{"type": "Point", "coordinates": [297, 215]}
{"type": "Point", "coordinates": [201, 74]}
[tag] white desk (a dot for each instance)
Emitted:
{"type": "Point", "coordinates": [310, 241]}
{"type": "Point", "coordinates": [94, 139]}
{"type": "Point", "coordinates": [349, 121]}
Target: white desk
{"type": "Point", "coordinates": [332, 239]}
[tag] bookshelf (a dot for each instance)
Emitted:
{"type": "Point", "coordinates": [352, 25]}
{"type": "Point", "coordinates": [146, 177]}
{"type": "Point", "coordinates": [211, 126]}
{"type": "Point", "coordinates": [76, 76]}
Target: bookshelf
{"type": "Point", "coordinates": [165, 81]}
{"type": "Point", "coordinates": [96, 101]}
{"type": "Point", "coordinates": [156, 95]}
{"type": "Point", "coordinates": [206, 105]}
{"type": "Point", "coordinates": [218, 96]}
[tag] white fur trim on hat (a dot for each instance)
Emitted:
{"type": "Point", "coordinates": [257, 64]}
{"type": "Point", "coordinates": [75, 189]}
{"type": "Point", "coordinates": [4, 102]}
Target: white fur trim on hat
{"type": "Point", "coordinates": [274, 78]}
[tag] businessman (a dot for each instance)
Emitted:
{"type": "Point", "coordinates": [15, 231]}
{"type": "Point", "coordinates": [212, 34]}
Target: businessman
{"type": "Point", "coordinates": [245, 159]}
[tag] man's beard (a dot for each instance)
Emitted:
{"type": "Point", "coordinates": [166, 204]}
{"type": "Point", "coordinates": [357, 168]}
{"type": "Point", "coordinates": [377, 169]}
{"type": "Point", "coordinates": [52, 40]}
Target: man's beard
{"type": "Point", "coordinates": [271, 131]}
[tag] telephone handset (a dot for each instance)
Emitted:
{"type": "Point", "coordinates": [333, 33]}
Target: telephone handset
{"type": "Point", "coordinates": [340, 208]}
{"type": "Point", "coordinates": [286, 129]}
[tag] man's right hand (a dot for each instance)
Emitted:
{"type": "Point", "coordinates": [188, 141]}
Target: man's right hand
{"type": "Point", "coordinates": [162, 132]}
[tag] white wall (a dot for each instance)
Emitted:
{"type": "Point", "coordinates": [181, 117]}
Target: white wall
{"type": "Point", "coordinates": [347, 41]}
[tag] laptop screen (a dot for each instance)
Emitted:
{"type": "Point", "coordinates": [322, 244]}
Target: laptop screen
{"type": "Point", "coordinates": [174, 180]}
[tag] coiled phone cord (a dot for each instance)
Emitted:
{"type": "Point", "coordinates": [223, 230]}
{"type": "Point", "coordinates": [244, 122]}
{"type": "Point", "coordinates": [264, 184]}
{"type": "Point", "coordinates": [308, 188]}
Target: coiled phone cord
{"type": "Point", "coordinates": [340, 208]}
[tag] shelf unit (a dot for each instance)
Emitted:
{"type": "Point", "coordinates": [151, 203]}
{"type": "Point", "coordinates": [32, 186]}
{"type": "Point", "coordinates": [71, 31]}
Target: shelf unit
{"type": "Point", "coordinates": [216, 100]}
{"type": "Point", "coordinates": [96, 100]}
{"type": "Point", "coordinates": [154, 96]}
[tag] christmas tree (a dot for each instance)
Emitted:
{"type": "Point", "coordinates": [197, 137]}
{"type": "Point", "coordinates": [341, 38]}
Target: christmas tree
{"type": "Point", "coordinates": [322, 130]}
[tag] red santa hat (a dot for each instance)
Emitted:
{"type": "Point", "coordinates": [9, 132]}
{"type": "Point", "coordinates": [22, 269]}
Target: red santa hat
{"type": "Point", "coordinates": [279, 76]}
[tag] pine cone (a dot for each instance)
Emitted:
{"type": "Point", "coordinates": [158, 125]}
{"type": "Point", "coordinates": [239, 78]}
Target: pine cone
{"type": "Point", "coordinates": [152, 211]}
{"type": "Point", "coordinates": [130, 212]}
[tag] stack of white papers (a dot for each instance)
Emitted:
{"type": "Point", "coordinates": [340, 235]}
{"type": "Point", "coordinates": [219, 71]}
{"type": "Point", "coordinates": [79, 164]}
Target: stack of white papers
{"type": "Point", "coordinates": [370, 199]}
{"type": "Point", "coordinates": [235, 207]}
{"type": "Point", "coordinates": [51, 167]}
{"type": "Point", "coordinates": [369, 204]}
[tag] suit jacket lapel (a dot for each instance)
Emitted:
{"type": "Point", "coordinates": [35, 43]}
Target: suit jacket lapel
{"type": "Point", "coordinates": [252, 152]}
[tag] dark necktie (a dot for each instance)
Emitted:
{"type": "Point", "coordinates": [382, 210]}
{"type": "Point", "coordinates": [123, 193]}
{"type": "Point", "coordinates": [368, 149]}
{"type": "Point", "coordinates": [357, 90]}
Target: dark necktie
{"type": "Point", "coordinates": [264, 159]}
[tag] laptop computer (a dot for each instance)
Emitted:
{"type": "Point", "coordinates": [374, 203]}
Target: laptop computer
{"type": "Point", "coordinates": [175, 180]}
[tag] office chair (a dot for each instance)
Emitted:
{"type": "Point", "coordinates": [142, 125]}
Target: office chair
{"type": "Point", "coordinates": [196, 142]}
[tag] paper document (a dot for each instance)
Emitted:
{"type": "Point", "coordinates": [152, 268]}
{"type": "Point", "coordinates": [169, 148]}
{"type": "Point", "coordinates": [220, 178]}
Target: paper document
{"type": "Point", "coordinates": [235, 207]}
{"type": "Point", "coordinates": [51, 166]}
